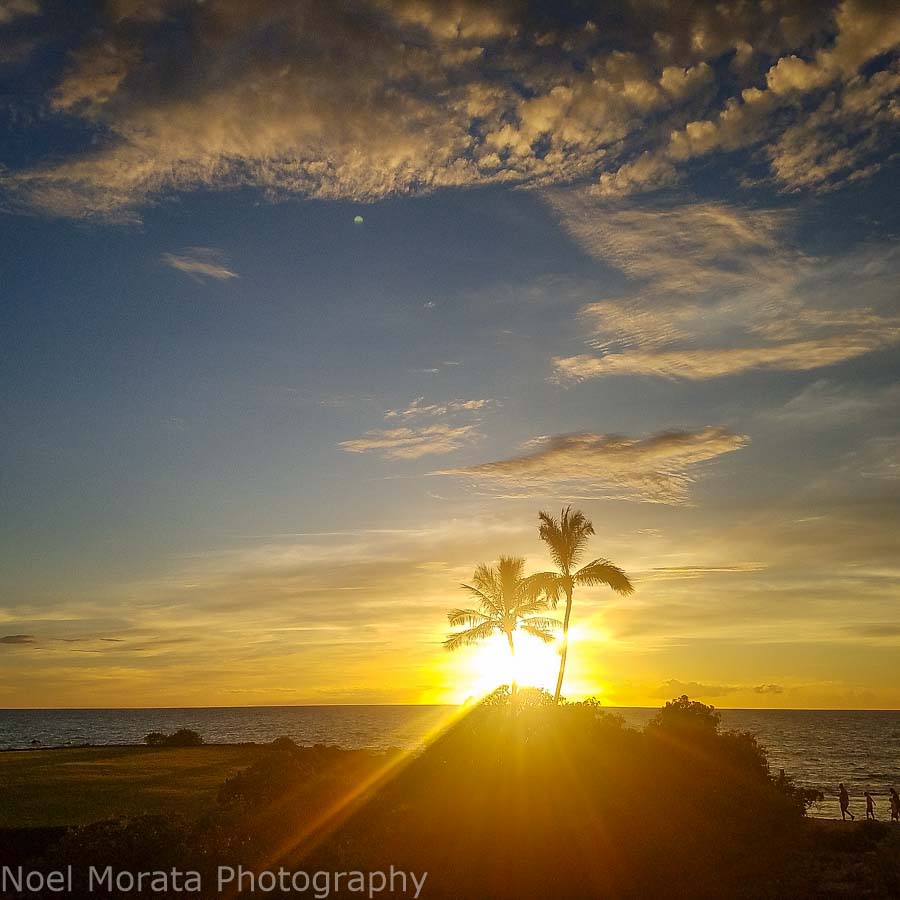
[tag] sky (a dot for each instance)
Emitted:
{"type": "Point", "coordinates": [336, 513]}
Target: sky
{"type": "Point", "coordinates": [308, 308]}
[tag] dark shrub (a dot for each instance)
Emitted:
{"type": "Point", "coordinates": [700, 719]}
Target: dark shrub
{"type": "Point", "coordinates": [184, 737]}
{"type": "Point", "coordinates": [686, 715]}
{"type": "Point", "coordinates": [271, 777]}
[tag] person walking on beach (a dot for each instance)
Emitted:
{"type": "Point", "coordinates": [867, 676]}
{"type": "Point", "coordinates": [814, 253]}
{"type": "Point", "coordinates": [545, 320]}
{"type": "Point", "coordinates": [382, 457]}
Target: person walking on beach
{"type": "Point", "coordinates": [895, 805]}
{"type": "Point", "coordinates": [870, 807]}
{"type": "Point", "coordinates": [844, 798]}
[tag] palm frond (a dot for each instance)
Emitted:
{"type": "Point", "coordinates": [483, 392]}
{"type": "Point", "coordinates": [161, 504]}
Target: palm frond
{"type": "Point", "coordinates": [566, 537]}
{"type": "Point", "coordinates": [488, 603]}
{"type": "Point", "coordinates": [486, 580]}
{"type": "Point", "coordinates": [470, 617]}
{"type": "Point", "coordinates": [528, 606]}
{"type": "Point", "coordinates": [602, 571]}
{"type": "Point", "coordinates": [509, 575]}
{"type": "Point", "coordinates": [552, 536]}
{"type": "Point", "coordinates": [548, 623]}
{"type": "Point", "coordinates": [546, 583]}
{"type": "Point", "coordinates": [540, 629]}
{"type": "Point", "coordinates": [470, 636]}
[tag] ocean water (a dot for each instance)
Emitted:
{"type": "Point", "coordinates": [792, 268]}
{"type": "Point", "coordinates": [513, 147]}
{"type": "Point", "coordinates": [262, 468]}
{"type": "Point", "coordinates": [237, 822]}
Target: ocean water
{"type": "Point", "coordinates": [820, 748]}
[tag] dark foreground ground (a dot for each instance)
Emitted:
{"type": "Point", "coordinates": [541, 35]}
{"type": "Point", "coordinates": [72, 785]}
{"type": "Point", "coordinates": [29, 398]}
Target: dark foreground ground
{"type": "Point", "coordinates": [510, 802]}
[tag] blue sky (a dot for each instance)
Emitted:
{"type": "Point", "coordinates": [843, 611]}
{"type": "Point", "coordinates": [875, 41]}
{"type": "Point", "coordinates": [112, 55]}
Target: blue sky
{"type": "Point", "coordinates": [638, 261]}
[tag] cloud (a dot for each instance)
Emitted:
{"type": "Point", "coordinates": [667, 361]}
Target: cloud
{"type": "Point", "coordinates": [680, 573]}
{"type": "Point", "coordinates": [675, 688]}
{"type": "Point", "coordinates": [655, 469]}
{"type": "Point", "coordinates": [10, 10]}
{"type": "Point", "coordinates": [200, 263]}
{"type": "Point", "coordinates": [825, 402]}
{"type": "Point", "coordinates": [835, 138]}
{"type": "Point", "coordinates": [413, 443]}
{"type": "Point", "coordinates": [18, 639]}
{"type": "Point", "coordinates": [717, 290]}
{"type": "Point", "coordinates": [700, 364]}
{"type": "Point", "coordinates": [878, 458]}
{"type": "Point", "coordinates": [420, 409]}
{"type": "Point", "coordinates": [681, 248]}
{"type": "Point", "coordinates": [452, 94]}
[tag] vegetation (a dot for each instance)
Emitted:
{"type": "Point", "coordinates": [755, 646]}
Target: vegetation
{"type": "Point", "coordinates": [77, 785]}
{"type": "Point", "coordinates": [566, 538]}
{"type": "Point", "coordinates": [184, 737]}
{"type": "Point", "coordinates": [524, 799]}
{"type": "Point", "coordinates": [525, 795]}
{"type": "Point", "coordinates": [507, 601]}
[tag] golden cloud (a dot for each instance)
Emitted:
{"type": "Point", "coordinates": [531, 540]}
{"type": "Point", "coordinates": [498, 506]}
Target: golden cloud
{"type": "Point", "coordinates": [655, 469]}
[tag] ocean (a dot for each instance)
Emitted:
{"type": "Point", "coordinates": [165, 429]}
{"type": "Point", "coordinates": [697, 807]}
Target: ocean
{"type": "Point", "coordinates": [820, 748]}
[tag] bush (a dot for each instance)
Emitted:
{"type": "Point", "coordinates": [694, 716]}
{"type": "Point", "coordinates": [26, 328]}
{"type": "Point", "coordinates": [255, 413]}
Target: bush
{"type": "Point", "coordinates": [184, 737]}
{"type": "Point", "coordinates": [269, 778]}
{"type": "Point", "coordinates": [685, 715]}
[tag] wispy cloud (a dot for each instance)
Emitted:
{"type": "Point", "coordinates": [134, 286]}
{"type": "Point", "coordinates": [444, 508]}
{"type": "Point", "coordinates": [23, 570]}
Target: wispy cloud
{"type": "Point", "coordinates": [680, 573]}
{"type": "Point", "coordinates": [18, 639]}
{"type": "Point", "coordinates": [681, 248]}
{"type": "Point", "coordinates": [423, 435]}
{"type": "Point", "coordinates": [717, 291]}
{"type": "Point", "coordinates": [825, 402]}
{"type": "Point", "coordinates": [420, 409]}
{"type": "Point", "coordinates": [413, 443]}
{"type": "Point", "coordinates": [657, 469]}
{"type": "Point", "coordinates": [200, 263]}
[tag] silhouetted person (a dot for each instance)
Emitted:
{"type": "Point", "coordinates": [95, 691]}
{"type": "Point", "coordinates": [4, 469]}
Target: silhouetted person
{"type": "Point", "coordinates": [870, 806]}
{"type": "Point", "coordinates": [844, 798]}
{"type": "Point", "coordinates": [895, 805]}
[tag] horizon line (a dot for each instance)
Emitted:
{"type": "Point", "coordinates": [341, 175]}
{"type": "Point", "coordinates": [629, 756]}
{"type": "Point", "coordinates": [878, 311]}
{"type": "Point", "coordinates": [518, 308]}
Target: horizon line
{"type": "Point", "coordinates": [4, 709]}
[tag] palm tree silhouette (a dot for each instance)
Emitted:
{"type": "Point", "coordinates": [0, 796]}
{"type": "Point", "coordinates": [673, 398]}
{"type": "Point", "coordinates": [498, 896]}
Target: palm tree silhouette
{"type": "Point", "coordinates": [567, 538]}
{"type": "Point", "coordinates": [507, 601]}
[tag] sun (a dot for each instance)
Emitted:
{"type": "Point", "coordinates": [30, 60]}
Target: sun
{"type": "Point", "coordinates": [536, 664]}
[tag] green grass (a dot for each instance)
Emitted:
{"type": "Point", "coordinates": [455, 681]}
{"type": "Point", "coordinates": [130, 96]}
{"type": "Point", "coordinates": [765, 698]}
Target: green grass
{"type": "Point", "coordinates": [75, 786]}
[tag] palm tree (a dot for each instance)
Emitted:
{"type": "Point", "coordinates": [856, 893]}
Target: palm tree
{"type": "Point", "coordinates": [507, 601]}
{"type": "Point", "coordinates": [567, 538]}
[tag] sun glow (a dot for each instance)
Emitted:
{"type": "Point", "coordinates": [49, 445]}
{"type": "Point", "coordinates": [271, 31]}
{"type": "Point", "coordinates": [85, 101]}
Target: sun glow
{"type": "Point", "coordinates": [535, 665]}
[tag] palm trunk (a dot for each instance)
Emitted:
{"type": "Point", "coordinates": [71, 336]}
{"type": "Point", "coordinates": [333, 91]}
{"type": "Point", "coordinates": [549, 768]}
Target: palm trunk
{"type": "Point", "coordinates": [512, 652]}
{"type": "Point", "coordinates": [563, 651]}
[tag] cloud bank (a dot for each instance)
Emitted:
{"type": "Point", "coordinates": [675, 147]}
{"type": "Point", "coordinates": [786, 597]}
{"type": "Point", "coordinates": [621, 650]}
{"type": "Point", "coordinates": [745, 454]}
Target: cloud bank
{"type": "Point", "coordinates": [456, 94]}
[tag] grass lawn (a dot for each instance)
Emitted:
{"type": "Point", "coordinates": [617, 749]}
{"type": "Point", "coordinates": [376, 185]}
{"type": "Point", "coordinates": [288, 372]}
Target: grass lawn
{"type": "Point", "coordinates": [74, 786]}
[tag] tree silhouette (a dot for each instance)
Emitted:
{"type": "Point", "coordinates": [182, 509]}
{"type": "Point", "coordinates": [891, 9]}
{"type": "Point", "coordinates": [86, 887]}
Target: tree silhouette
{"type": "Point", "coordinates": [567, 538]}
{"type": "Point", "coordinates": [507, 601]}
